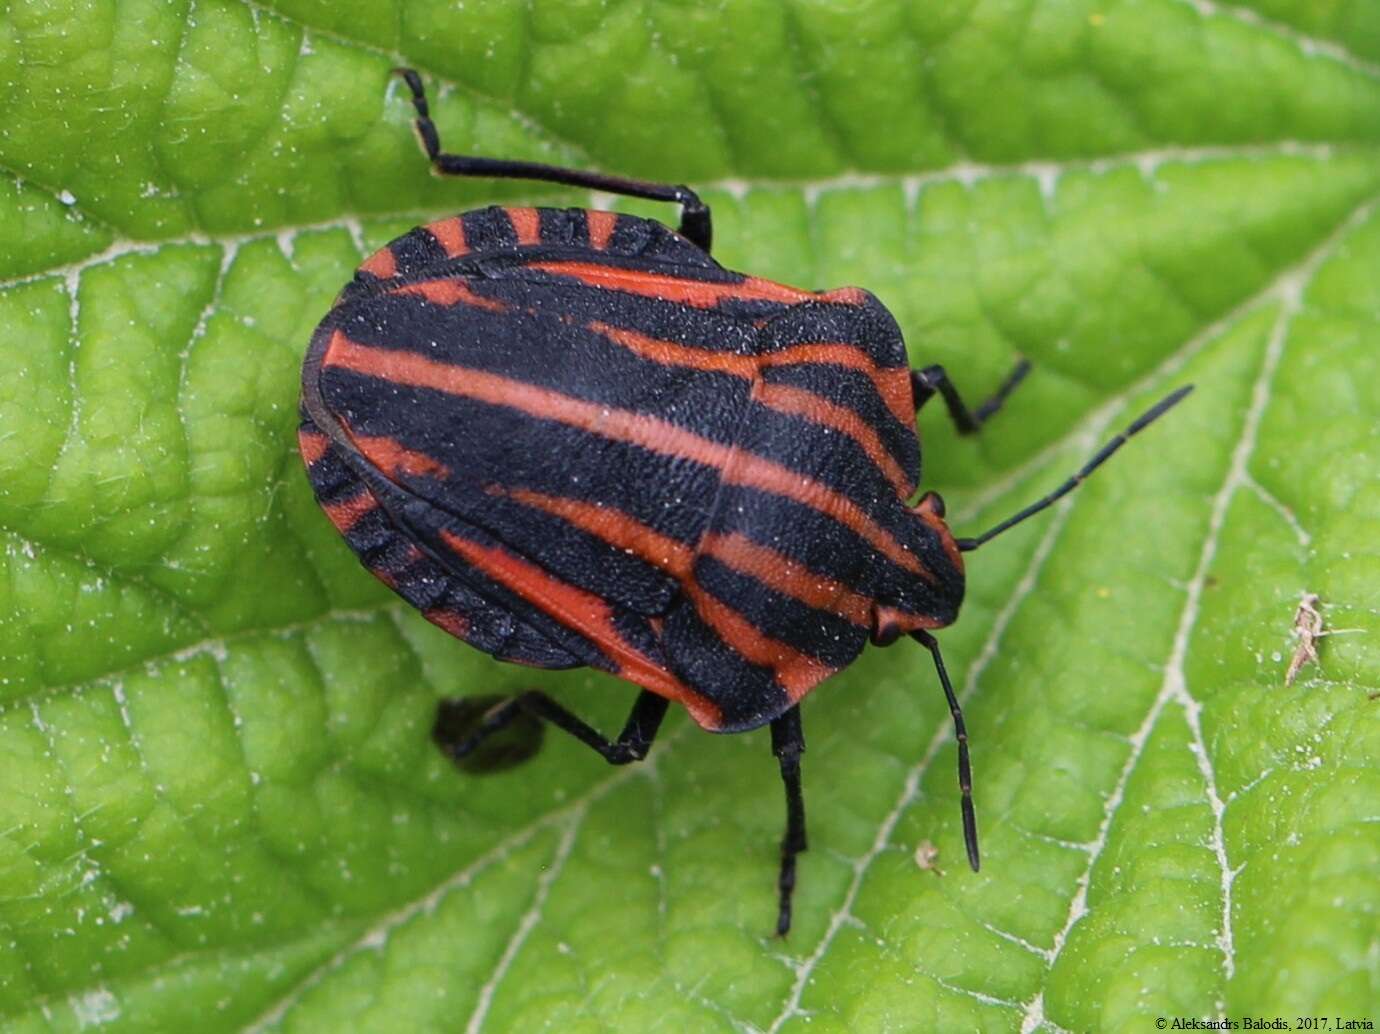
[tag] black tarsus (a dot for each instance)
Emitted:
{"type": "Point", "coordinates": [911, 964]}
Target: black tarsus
{"type": "Point", "coordinates": [925, 383]}
{"type": "Point", "coordinates": [696, 224]}
{"type": "Point", "coordinates": [1103, 454]}
{"type": "Point", "coordinates": [632, 743]}
{"type": "Point", "coordinates": [788, 743]}
{"type": "Point", "coordinates": [965, 770]}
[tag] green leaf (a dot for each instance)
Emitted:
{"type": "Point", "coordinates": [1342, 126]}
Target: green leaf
{"type": "Point", "coordinates": [221, 807]}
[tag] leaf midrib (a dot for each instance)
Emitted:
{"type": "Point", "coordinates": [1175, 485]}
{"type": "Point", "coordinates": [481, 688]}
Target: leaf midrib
{"type": "Point", "coordinates": [1045, 173]}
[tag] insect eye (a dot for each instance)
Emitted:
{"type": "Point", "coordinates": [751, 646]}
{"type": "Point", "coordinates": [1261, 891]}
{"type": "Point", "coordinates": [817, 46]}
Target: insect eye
{"type": "Point", "coordinates": [933, 502]}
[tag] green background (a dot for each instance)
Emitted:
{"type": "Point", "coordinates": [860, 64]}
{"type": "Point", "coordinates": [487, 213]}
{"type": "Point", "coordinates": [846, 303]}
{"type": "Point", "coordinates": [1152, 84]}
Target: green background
{"type": "Point", "coordinates": [218, 802]}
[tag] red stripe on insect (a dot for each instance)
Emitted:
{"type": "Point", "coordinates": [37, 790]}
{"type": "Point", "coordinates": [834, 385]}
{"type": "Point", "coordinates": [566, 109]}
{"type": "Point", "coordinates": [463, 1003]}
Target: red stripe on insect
{"type": "Point", "coordinates": [449, 291]}
{"type": "Point", "coordinates": [382, 263]}
{"type": "Point", "coordinates": [601, 226]}
{"type": "Point", "coordinates": [893, 385]}
{"type": "Point", "coordinates": [796, 672]}
{"type": "Point", "coordinates": [348, 512]}
{"type": "Point", "coordinates": [702, 294]}
{"type": "Point", "coordinates": [774, 570]}
{"type": "Point", "coordinates": [946, 537]}
{"type": "Point", "coordinates": [451, 621]}
{"type": "Point", "coordinates": [672, 354]}
{"type": "Point", "coordinates": [526, 224]}
{"type": "Point", "coordinates": [618, 529]}
{"type": "Point", "coordinates": [896, 392]}
{"type": "Point", "coordinates": [450, 234]}
{"type": "Point", "coordinates": [312, 445]}
{"type": "Point", "coordinates": [394, 458]}
{"type": "Point", "coordinates": [786, 576]}
{"type": "Point", "coordinates": [736, 466]}
{"type": "Point", "coordinates": [586, 614]}
{"type": "Point", "coordinates": [798, 402]}
{"type": "Point", "coordinates": [845, 296]}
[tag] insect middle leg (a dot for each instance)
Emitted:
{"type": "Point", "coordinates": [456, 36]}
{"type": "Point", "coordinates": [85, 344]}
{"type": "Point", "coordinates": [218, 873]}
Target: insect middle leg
{"type": "Point", "coordinates": [788, 743]}
{"type": "Point", "coordinates": [933, 379]}
{"type": "Point", "coordinates": [696, 224]}
{"type": "Point", "coordinates": [632, 743]}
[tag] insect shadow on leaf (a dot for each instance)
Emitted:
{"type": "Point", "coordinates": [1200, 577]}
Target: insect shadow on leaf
{"type": "Point", "coordinates": [495, 735]}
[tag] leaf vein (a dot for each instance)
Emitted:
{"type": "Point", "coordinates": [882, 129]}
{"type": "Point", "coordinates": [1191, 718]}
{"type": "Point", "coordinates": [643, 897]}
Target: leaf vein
{"type": "Point", "coordinates": [1310, 46]}
{"type": "Point", "coordinates": [911, 787]}
{"type": "Point", "coordinates": [378, 933]}
{"type": "Point", "coordinates": [1287, 287]}
{"type": "Point", "coordinates": [527, 923]}
{"type": "Point", "coordinates": [966, 173]}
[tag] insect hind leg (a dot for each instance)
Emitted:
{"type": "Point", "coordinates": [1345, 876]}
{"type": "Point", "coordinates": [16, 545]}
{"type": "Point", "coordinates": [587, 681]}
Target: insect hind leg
{"type": "Point", "coordinates": [632, 743]}
{"type": "Point", "coordinates": [932, 380]}
{"type": "Point", "coordinates": [788, 743]}
{"type": "Point", "coordinates": [696, 223]}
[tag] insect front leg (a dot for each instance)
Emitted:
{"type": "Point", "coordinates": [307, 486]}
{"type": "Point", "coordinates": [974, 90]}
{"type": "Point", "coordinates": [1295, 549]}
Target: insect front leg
{"type": "Point", "coordinates": [632, 743]}
{"type": "Point", "coordinates": [925, 383]}
{"type": "Point", "coordinates": [696, 224]}
{"type": "Point", "coordinates": [788, 743]}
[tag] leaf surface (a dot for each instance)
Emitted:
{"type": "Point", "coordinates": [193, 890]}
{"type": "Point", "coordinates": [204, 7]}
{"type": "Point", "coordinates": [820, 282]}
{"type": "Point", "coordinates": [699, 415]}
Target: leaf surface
{"type": "Point", "coordinates": [222, 807]}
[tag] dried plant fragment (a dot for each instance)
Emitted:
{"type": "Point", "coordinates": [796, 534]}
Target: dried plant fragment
{"type": "Point", "coordinates": [1309, 627]}
{"type": "Point", "coordinates": [925, 855]}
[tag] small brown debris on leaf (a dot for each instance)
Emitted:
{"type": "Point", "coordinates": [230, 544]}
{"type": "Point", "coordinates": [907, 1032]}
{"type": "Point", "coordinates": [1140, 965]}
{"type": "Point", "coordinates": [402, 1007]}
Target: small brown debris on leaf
{"type": "Point", "coordinates": [925, 854]}
{"type": "Point", "coordinates": [1308, 629]}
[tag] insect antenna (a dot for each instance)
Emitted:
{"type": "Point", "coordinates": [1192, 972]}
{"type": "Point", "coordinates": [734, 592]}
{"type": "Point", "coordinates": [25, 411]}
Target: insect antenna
{"type": "Point", "coordinates": [965, 769]}
{"type": "Point", "coordinates": [1103, 454]}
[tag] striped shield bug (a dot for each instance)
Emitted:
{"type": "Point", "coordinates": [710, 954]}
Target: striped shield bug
{"type": "Point", "coordinates": [570, 437]}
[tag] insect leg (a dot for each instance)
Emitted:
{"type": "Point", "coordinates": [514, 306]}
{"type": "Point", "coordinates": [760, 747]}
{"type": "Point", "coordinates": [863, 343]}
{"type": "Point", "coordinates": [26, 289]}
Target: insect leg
{"type": "Point", "coordinates": [788, 743]}
{"type": "Point", "coordinates": [632, 743]}
{"type": "Point", "coordinates": [932, 379]}
{"type": "Point", "coordinates": [965, 771]}
{"type": "Point", "coordinates": [695, 222]}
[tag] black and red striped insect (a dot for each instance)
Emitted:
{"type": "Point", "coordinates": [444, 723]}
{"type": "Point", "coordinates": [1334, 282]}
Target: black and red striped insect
{"type": "Point", "coordinates": [570, 437]}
